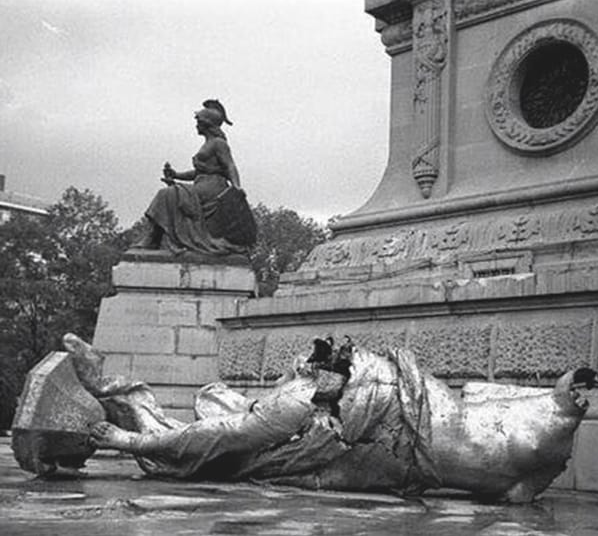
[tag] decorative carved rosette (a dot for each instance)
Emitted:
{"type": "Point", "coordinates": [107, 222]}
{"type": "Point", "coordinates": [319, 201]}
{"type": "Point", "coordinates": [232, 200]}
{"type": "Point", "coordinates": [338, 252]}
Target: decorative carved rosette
{"type": "Point", "coordinates": [430, 42]}
{"type": "Point", "coordinates": [503, 106]}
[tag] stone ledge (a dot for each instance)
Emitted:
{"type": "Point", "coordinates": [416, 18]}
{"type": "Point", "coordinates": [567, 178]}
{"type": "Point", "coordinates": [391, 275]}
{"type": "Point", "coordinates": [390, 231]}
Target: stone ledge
{"type": "Point", "coordinates": [401, 298]}
{"type": "Point", "coordinates": [163, 256]}
{"type": "Point", "coordinates": [459, 206]}
{"type": "Point", "coordinates": [184, 277]}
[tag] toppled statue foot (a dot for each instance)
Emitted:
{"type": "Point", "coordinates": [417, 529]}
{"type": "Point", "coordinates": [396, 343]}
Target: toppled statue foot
{"type": "Point", "coordinates": [105, 435]}
{"type": "Point", "coordinates": [108, 436]}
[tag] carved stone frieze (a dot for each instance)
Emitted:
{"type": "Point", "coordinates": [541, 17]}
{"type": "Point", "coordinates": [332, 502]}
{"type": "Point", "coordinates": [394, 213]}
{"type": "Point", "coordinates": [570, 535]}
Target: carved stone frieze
{"type": "Point", "coordinates": [503, 100]}
{"type": "Point", "coordinates": [520, 229]}
{"type": "Point", "coordinates": [240, 356]}
{"type": "Point", "coordinates": [587, 222]}
{"type": "Point", "coordinates": [548, 349]}
{"type": "Point", "coordinates": [451, 237]}
{"type": "Point", "coordinates": [379, 341]}
{"type": "Point", "coordinates": [469, 236]}
{"type": "Point", "coordinates": [398, 244]}
{"type": "Point", "coordinates": [280, 352]}
{"type": "Point", "coordinates": [453, 351]}
{"type": "Point", "coordinates": [430, 45]}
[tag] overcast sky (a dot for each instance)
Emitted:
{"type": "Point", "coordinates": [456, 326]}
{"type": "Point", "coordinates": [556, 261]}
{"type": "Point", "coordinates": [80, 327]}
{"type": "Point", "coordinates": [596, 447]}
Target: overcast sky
{"type": "Point", "coordinates": [99, 93]}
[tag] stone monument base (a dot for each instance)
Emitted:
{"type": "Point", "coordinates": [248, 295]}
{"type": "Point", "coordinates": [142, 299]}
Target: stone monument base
{"type": "Point", "coordinates": [161, 325]}
{"type": "Point", "coordinates": [508, 294]}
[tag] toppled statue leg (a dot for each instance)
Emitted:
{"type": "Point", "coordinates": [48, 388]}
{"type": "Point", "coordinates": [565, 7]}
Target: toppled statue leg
{"type": "Point", "coordinates": [131, 405]}
{"type": "Point", "coordinates": [105, 435]}
{"type": "Point", "coordinates": [87, 363]}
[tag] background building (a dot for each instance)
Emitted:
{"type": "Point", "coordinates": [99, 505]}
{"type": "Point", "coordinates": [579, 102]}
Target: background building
{"type": "Point", "coordinates": [13, 202]}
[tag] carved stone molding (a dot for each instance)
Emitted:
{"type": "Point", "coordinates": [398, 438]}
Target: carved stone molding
{"type": "Point", "coordinates": [493, 233]}
{"type": "Point", "coordinates": [394, 17]}
{"type": "Point", "coordinates": [430, 44]}
{"type": "Point", "coordinates": [467, 9]}
{"type": "Point", "coordinates": [396, 36]}
{"type": "Point", "coordinates": [503, 108]}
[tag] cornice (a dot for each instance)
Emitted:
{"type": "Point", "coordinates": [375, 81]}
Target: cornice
{"type": "Point", "coordinates": [527, 195]}
{"type": "Point", "coordinates": [393, 17]}
{"type": "Point", "coordinates": [469, 12]}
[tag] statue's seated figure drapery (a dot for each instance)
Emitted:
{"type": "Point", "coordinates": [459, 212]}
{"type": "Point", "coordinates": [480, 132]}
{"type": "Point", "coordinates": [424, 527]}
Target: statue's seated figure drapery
{"type": "Point", "coordinates": [202, 210]}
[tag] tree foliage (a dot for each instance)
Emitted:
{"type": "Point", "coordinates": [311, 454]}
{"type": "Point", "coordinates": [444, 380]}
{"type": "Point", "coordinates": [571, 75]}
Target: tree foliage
{"type": "Point", "coordinates": [284, 240]}
{"type": "Point", "coordinates": [53, 273]}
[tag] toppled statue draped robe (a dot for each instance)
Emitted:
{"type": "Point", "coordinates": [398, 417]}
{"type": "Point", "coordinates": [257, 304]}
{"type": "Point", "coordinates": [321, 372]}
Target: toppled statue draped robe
{"type": "Point", "coordinates": [381, 439]}
{"type": "Point", "coordinates": [394, 428]}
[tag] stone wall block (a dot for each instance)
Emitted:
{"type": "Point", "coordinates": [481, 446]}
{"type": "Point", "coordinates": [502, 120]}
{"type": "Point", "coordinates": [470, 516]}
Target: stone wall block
{"type": "Point", "coordinates": [210, 310]}
{"type": "Point", "coordinates": [146, 275]}
{"type": "Point", "coordinates": [550, 280]}
{"type": "Point", "coordinates": [177, 312]}
{"type": "Point", "coordinates": [592, 412]}
{"type": "Point", "coordinates": [172, 275]}
{"type": "Point", "coordinates": [177, 370]}
{"type": "Point", "coordinates": [585, 278]}
{"type": "Point", "coordinates": [453, 351]}
{"type": "Point", "coordinates": [542, 349]}
{"type": "Point", "coordinates": [219, 277]}
{"type": "Point", "coordinates": [567, 277]}
{"type": "Point", "coordinates": [566, 480]}
{"type": "Point", "coordinates": [133, 339]}
{"type": "Point", "coordinates": [495, 287]}
{"type": "Point", "coordinates": [586, 468]}
{"type": "Point", "coordinates": [240, 355]}
{"type": "Point", "coordinates": [118, 365]}
{"type": "Point", "coordinates": [196, 341]}
{"type": "Point", "coordinates": [130, 309]}
{"type": "Point", "coordinates": [425, 291]}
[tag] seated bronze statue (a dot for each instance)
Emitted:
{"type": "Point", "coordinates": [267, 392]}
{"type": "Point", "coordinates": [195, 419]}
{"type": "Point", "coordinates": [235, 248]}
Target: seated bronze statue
{"type": "Point", "coordinates": [202, 210]}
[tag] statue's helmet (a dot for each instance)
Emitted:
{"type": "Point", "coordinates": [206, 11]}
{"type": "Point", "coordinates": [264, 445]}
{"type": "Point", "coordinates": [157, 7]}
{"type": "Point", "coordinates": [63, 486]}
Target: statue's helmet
{"type": "Point", "coordinates": [212, 113]}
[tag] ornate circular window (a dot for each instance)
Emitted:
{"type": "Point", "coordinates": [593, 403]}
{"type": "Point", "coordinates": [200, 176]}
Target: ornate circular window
{"type": "Point", "coordinates": [542, 92]}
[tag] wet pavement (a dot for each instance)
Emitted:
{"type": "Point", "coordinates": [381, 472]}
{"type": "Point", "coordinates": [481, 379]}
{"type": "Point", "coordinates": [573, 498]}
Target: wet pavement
{"type": "Point", "coordinates": [114, 498]}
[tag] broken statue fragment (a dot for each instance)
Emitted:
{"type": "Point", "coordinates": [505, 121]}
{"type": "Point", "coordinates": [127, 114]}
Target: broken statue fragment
{"type": "Point", "coordinates": [378, 424]}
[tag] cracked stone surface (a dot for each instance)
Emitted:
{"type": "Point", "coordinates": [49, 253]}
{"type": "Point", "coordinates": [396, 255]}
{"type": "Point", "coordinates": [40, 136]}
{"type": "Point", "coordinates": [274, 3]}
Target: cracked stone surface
{"type": "Point", "coordinates": [113, 497]}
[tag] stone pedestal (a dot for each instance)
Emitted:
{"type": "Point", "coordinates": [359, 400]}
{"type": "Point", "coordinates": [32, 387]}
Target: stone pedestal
{"type": "Point", "coordinates": [161, 326]}
{"type": "Point", "coordinates": [478, 250]}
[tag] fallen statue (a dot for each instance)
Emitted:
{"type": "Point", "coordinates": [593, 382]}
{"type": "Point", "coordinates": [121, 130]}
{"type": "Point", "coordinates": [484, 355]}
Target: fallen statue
{"type": "Point", "coordinates": [344, 419]}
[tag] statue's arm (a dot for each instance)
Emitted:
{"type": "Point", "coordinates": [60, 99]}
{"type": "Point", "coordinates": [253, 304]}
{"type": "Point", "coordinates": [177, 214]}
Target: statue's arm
{"type": "Point", "coordinates": [185, 175]}
{"type": "Point", "coordinates": [170, 173]}
{"type": "Point", "coordinates": [228, 164]}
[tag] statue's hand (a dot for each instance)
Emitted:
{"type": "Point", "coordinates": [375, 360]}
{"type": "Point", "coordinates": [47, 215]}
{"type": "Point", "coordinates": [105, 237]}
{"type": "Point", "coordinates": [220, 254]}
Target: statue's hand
{"type": "Point", "coordinates": [169, 173]}
{"type": "Point", "coordinates": [167, 180]}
